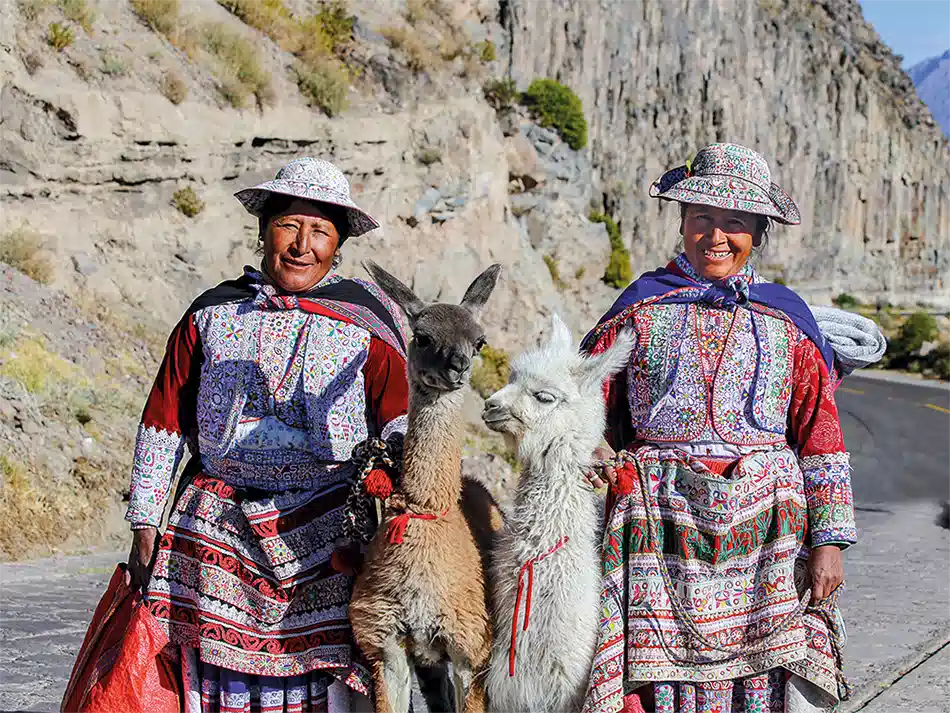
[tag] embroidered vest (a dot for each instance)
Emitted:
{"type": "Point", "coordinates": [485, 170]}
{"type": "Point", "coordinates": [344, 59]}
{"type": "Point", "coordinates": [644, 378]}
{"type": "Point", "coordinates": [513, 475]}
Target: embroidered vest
{"type": "Point", "coordinates": [332, 378]}
{"type": "Point", "coordinates": [740, 397]}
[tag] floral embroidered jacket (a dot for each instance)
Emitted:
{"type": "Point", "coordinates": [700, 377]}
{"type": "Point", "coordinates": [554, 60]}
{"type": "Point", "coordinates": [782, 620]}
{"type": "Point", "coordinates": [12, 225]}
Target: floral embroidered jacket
{"type": "Point", "coordinates": [269, 391]}
{"type": "Point", "coordinates": [723, 381]}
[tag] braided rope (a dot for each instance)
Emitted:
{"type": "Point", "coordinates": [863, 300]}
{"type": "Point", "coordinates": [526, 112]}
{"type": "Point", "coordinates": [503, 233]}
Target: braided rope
{"type": "Point", "coordinates": [358, 523]}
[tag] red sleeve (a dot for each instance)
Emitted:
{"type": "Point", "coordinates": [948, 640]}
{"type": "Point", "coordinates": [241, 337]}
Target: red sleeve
{"type": "Point", "coordinates": [168, 421]}
{"type": "Point", "coordinates": [815, 432]}
{"type": "Point", "coordinates": [387, 389]}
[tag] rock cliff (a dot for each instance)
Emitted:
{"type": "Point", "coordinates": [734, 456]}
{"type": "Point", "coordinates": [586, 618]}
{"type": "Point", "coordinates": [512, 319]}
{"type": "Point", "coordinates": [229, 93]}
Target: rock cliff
{"type": "Point", "coordinates": [810, 85]}
{"type": "Point", "coordinates": [99, 135]}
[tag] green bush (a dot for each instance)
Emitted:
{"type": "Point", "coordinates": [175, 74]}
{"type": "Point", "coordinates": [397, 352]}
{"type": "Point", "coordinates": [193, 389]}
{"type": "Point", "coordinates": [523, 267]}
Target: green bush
{"type": "Point", "coordinates": [187, 202]}
{"type": "Point", "coordinates": [491, 372]}
{"type": "Point", "coordinates": [917, 329]}
{"type": "Point", "coordinates": [938, 361]}
{"type": "Point", "coordinates": [558, 107]}
{"type": "Point", "coordinates": [501, 94]}
{"type": "Point", "coordinates": [59, 37]}
{"type": "Point", "coordinates": [845, 301]}
{"type": "Point", "coordinates": [619, 273]}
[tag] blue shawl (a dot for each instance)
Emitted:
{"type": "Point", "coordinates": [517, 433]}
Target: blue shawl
{"type": "Point", "coordinates": [672, 286]}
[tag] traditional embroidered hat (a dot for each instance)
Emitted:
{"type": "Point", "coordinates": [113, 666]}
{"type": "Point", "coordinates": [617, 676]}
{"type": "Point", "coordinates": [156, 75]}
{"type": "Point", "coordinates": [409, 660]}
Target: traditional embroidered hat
{"type": "Point", "coordinates": [312, 179]}
{"type": "Point", "coordinates": [728, 176]}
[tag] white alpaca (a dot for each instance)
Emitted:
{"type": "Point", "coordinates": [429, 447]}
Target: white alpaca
{"type": "Point", "coordinates": [546, 565]}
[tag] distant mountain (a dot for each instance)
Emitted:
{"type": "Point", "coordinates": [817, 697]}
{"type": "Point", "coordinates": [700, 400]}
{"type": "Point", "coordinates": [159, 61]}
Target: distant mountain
{"type": "Point", "coordinates": [932, 79]}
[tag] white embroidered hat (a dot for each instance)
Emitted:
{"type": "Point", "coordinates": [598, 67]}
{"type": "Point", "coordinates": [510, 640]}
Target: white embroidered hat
{"type": "Point", "coordinates": [310, 179]}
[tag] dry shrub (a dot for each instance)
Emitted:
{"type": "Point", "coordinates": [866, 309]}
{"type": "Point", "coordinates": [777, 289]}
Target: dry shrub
{"type": "Point", "coordinates": [173, 88]}
{"type": "Point", "coordinates": [33, 9]}
{"type": "Point", "coordinates": [23, 249]}
{"type": "Point", "coordinates": [420, 57]}
{"type": "Point", "coordinates": [79, 12]}
{"type": "Point", "coordinates": [162, 16]}
{"type": "Point", "coordinates": [59, 36]}
{"type": "Point", "coordinates": [239, 70]}
{"type": "Point", "coordinates": [188, 202]}
{"type": "Point", "coordinates": [32, 364]}
{"type": "Point", "coordinates": [40, 513]}
{"type": "Point", "coordinates": [316, 41]}
{"type": "Point", "coordinates": [325, 85]}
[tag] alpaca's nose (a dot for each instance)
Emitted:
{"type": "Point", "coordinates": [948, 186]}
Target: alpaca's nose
{"type": "Point", "coordinates": [458, 363]}
{"type": "Point", "coordinates": [491, 410]}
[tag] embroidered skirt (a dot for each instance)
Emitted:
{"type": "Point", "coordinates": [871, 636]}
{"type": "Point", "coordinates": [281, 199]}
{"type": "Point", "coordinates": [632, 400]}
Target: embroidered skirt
{"type": "Point", "coordinates": [245, 579]}
{"type": "Point", "coordinates": [703, 585]}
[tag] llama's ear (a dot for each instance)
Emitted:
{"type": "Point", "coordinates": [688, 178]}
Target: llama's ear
{"type": "Point", "coordinates": [400, 294]}
{"type": "Point", "coordinates": [595, 370]}
{"type": "Point", "coordinates": [480, 290]}
{"type": "Point", "coordinates": [560, 339]}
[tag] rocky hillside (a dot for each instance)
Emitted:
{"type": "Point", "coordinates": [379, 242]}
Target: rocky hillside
{"type": "Point", "coordinates": [932, 80]}
{"type": "Point", "coordinates": [126, 126]}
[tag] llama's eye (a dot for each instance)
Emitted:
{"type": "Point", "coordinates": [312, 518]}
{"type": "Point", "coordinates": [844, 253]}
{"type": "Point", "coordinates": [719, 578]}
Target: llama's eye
{"type": "Point", "coordinates": [422, 341]}
{"type": "Point", "coordinates": [545, 397]}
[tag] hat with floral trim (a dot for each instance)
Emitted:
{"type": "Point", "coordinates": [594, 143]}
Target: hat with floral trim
{"type": "Point", "coordinates": [311, 179]}
{"type": "Point", "coordinates": [728, 176]}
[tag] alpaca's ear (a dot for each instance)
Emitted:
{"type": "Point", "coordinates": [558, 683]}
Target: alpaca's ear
{"type": "Point", "coordinates": [596, 370]}
{"type": "Point", "coordinates": [480, 290]}
{"type": "Point", "coordinates": [560, 339]}
{"type": "Point", "coordinates": [397, 291]}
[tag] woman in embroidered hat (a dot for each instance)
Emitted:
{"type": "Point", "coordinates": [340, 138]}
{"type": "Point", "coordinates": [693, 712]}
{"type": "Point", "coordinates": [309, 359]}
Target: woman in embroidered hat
{"type": "Point", "coordinates": [270, 381]}
{"type": "Point", "coordinates": [730, 497]}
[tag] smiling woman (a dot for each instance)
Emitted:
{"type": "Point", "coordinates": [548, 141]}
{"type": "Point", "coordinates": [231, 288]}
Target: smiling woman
{"type": "Point", "coordinates": [726, 412]}
{"type": "Point", "coordinates": [272, 382]}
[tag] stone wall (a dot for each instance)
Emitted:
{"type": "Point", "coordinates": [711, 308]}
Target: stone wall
{"type": "Point", "coordinates": [809, 85]}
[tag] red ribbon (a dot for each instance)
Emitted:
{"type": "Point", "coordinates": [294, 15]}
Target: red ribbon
{"type": "Point", "coordinates": [397, 526]}
{"type": "Point", "coordinates": [526, 589]}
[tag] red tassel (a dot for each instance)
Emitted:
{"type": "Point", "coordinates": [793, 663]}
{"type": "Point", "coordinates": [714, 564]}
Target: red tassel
{"type": "Point", "coordinates": [625, 476]}
{"type": "Point", "coordinates": [378, 484]}
{"type": "Point", "coordinates": [397, 528]}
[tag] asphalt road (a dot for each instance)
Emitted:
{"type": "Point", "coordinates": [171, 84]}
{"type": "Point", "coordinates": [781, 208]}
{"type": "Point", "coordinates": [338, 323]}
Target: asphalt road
{"type": "Point", "coordinates": [899, 437]}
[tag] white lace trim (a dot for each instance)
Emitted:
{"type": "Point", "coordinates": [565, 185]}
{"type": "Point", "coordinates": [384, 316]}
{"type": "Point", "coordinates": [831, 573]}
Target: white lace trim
{"type": "Point", "coordinates": [397, 425]}
{"type": "Point", "coordinates": [823, 460]}
{"type": "Point", "coordinates": [157, 455]}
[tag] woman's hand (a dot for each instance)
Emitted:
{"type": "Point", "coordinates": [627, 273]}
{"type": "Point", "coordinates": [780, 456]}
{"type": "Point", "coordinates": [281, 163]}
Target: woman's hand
{"type": "Point", "coordinates": [609, 472]}
{"type": "Point", "coordinates": [826, 570]}
{"type": "Point", "coordinates": [142, 557]}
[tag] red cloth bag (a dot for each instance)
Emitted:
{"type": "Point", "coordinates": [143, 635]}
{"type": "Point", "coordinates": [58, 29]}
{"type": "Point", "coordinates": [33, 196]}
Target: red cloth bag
{"type": "Point", "coordinates": [120, 667]}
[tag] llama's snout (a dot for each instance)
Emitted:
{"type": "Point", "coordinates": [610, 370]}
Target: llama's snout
{"type": "Point", "coordinates": [495, 413]}
{"type": "Point", "coordinates": [457, 364]}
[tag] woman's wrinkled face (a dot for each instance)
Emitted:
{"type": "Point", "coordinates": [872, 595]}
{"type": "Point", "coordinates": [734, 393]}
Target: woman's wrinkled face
{"type": "Point", "coordinates": [299, 245]}
{"type": "Point", "coordinates": [718, 242]}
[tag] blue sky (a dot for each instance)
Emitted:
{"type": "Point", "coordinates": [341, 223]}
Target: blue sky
{"type": "Point", "coordinates": [915, 29]}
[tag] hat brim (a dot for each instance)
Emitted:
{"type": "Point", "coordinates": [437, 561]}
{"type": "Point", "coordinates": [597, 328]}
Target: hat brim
{"type": "Point", "coordinates": [727, 192]}
{"type": "Point", "coordinates": [358, 220]}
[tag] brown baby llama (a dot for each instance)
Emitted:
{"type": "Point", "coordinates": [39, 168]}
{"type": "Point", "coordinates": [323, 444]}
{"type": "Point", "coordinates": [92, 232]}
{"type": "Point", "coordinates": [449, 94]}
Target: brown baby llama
{"type": "Point", "coordinates": [420, 597]}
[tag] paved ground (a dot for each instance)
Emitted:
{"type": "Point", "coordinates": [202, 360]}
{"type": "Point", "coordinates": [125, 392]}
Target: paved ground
{"type": "Point", "coordinates": [897, 605]}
